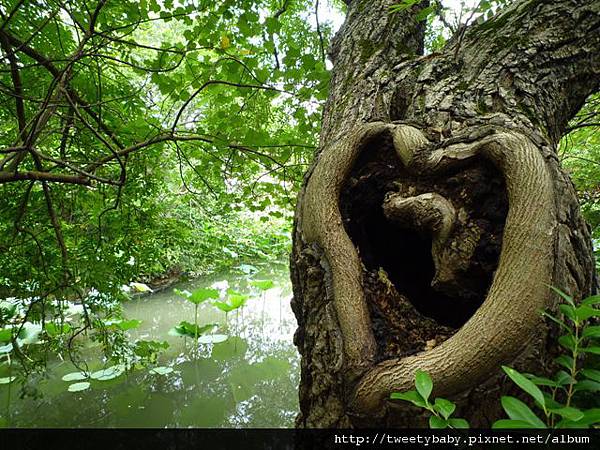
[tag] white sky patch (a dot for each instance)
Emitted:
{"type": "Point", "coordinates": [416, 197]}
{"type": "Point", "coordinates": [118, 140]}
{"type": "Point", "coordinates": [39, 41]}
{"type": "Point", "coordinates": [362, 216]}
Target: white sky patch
{"type": "Point", "coordinates": [458, 9]}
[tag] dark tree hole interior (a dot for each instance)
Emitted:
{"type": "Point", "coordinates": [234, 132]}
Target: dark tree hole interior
{"type": "Point", "coordinates": [405, 254]}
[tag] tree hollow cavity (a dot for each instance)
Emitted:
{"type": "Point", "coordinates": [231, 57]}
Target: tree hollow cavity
{"type": "Point", "coordinates": [413, 309]}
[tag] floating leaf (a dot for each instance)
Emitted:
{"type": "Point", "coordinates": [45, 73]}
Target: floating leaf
{"type": "Point", "coordinates": [75, 376]}
{"type": "Point", "coordinates": [247, 268]}
{"type": "Point", "coordinates": [77, 387]}
{"type": "Point", "coordinates": [212, 338]}
{"type": "Point", "coordinates": [161, 370]}
{"type": "Point", "coordinates": [108, 374]}
{"type": "Point", "coordinates": [231, 348]}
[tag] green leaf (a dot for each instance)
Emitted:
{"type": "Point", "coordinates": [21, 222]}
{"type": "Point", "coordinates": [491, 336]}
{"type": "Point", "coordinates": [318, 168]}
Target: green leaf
{"type": "Point", "coordinates": [567, 341]}
{"type": "Point", "coordinates": [563, 378]}
{"type": "Point", "coordinates": [458, 423]}
{"type": "Point", "coordinates": [437, 422]}
{"type": "Point", "coordinates": [424, 384]}
{"type": "Point", "coordinates": [509, 423]}
{"type": "Point", "coordinates": [424, 13]}
{"type": "Point", "coordinates": [53, 329]}
{"type": "Point", "coordinates": [109, 373]}
{"type": "Point", "coordinates": [201, 295]}
{"type": "Point", "coordinates": [75, 376]}
{"type": "Point", "coordinates": [129, 324]}
{"type": "Point", "coordinates": [591, 332]}
{"type": "Point", "coordinates": [542, 381]}
{"type": "Point", "coordinates": [566, 297]}
{"type": "Point", "coordinates": [444, 407]}
{"type": "Point", "coordinates": [591, 417]}
{"type": "Point", "coordinates": [77, 387]}
{"type": "Point", "coordinates": [584, 312]}
{"type": "Point", "coordinates": [558, 321]}
{"type": "Point", "coordinates": [183, 294]}
{"type": "Point", "coordinates": [587, 385]}
{"type": "Point", "coordinates": [7, 380]}
{"type": "Point", "coordinates": [212, 338]}
{"type": "Point", "coordinates": [565, 361]}
{"type": "Point", "coordinates": [525, 384]}
{"type": "Point", "coordinates": [5, 335]}
{"type": "Point", "coordinates": [593, 300]}
{"type": "Point", "coordinates": [517, 410]}
{"type": "Point", "coordinates": [594, 350]}
{"type": "Point", "coordinates": [569, 312]}
{"type": "Point", "coordinates": [410, 396]}
{"type": "Point", "coordinates": [569, 413]}
{"type": "Point", "coordinates": [263, 285]}
{"type": "Point", "coordinates": [592, 374]}
{"type": "Point", "coordinates": [161, 370]}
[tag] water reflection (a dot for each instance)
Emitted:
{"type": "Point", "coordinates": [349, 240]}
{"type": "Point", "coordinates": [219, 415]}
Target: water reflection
{"type": "Point", "coordinates": [250, 380]}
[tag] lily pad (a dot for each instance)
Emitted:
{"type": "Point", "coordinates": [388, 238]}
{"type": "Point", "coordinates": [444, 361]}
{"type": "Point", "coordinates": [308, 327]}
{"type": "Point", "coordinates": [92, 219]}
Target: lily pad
{"type": "Point", "coordinates": [77, 387]}
{"type": "Point", "coordinates": [75, 376]}
{"type": "Point", "coordinates": [212, 338]}
{"type": "Point", "coordinates": [161, 370]}
{"type": "Point", "coordinates": [109, 373]}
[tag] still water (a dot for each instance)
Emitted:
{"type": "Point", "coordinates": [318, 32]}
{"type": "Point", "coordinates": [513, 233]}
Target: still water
{"type": "Point", "coordinates": [249, 380]}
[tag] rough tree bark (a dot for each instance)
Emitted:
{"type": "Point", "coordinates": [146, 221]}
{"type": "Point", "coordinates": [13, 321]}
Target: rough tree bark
{"type": "Point", "coordinates": [436, 212]}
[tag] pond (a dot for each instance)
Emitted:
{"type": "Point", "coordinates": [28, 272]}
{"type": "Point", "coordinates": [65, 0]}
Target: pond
{"type": "Point", "coordinates": [248, 380]}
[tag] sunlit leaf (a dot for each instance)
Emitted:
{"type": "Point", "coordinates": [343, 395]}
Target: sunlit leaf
{"type": "Point", "coordinates": [78, 387]}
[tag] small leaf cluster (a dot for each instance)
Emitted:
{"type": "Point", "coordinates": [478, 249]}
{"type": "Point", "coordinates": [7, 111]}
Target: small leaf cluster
{"type": "Point", "coordinates": [555, 397]}
{"type": "Point", "coordinates": [441, 409]}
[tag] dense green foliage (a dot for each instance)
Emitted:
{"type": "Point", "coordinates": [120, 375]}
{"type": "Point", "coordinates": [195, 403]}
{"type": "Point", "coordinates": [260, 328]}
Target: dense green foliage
{"type": "Point", "coordinates": [567, 399]}
{"type": "Point", "coordinates": [139, 139]}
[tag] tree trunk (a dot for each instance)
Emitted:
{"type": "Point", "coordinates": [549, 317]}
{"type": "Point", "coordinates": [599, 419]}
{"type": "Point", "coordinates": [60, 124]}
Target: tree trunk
{"type": "Point", "coordinates": [436, 214]}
